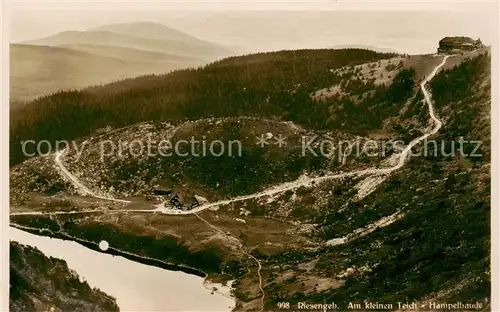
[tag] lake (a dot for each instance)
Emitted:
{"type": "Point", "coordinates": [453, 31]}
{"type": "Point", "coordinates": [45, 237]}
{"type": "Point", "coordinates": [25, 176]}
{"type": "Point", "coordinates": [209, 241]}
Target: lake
{"type": "Point", "coordinates": [136, 286]}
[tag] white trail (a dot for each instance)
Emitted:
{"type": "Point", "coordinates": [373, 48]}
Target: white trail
{"type": "Point", "coordinates": [84, 190]}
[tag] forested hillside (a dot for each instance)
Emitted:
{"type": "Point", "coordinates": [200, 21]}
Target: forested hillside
{"type": "Point", "coordinates": [267, 85]}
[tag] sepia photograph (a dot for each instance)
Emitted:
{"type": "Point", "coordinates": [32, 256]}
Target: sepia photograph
{"type": "Point", "coordinates": [211, 156]}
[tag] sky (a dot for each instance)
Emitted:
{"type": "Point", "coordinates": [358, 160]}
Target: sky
{"type": "Point", "coordinates": [408, 27]}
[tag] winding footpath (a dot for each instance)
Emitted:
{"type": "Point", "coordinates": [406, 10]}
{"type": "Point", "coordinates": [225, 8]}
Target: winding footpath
{"type": "Point", "coordinates": [80, 187]}
{"type": "Point", "coordinates": [280, 188]}
{"type": "Point", "coordinates": [303, 181]}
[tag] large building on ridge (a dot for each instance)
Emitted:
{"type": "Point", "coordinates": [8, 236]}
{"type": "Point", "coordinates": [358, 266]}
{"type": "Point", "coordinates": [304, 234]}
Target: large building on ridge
{"type": "Point", "coordinates": [458, 44]}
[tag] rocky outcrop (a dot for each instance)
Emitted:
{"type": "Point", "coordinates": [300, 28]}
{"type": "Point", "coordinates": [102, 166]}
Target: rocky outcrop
{"type": "Point", "coordinates": [458, 44]}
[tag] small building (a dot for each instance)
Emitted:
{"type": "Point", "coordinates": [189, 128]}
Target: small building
{"type": "Point", "coordinates": [162, 192]}
{"type": "Point", "coordinates": [449, 45]}
{"type": "Point", "coordinates": [176, 201]}
{"type": "Point", "coordinates": [177, 197]}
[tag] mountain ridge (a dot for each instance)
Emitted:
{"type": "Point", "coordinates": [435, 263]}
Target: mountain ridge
{"type": "Point", "coordinates": [149, 30]}
{"type": "Point", "coordinates": [368, 47]}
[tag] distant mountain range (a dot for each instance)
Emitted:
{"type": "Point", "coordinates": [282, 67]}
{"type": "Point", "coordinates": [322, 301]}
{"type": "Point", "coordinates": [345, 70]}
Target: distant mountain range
{"type": "Point", "coordinates": [142, 36]}
{"type": "Point", "coordinates": [149, 30]}
{"type": "Point", "coordinates": [76, 59]}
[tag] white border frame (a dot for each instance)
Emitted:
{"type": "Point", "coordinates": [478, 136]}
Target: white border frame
{"type": "Point", "coordinates": [341, 5]}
